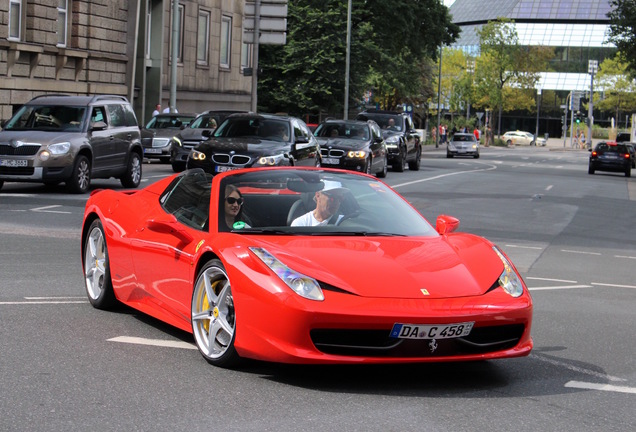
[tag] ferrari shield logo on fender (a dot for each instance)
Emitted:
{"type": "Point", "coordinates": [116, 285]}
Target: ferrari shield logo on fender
{"type": "Point", "coordinates": [425, 291]}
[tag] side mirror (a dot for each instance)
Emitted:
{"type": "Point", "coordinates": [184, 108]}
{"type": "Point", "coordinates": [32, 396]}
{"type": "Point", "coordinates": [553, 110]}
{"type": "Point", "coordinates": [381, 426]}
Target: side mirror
{"type": "Point", "coordinates": [98, 125]}
{"type": "Point", "coordinates": [302, 140]}
{"type": "Point", "coordinates": [446, 224]}
{"type": "Point", "coordinates": [170, 226]}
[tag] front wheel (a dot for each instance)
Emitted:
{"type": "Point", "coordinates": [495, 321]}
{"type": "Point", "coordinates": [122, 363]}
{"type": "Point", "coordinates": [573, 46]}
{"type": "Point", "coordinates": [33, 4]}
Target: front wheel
{"type": "Point", "coordinates": [213, 316]}
{"type": "Point", "coordinates": [99, 285]}
{"type": "Point", "coordinates": [400, 161]}
{"type": "Point", "coordinates": [414, 165]}
{"type": "Point", "coordinates": [132, 176]}
{"type": "Point", "coordinates": [590, 170]}
{"type": "Point", "coordinates": [80, 180]}
{"type": "Point", "coordinates": [385, 168]}
{"type": "Point", "coordinates": [628, 172]}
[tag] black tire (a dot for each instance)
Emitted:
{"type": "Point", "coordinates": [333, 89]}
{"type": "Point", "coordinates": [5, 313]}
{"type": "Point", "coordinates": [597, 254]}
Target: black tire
{"type": "Point", "coordinates": [132, 176]}
{"type": "Point", "coordinates": [628, 172]}
{"type": "Point", "coordinates": [385, 169]}
{"type": "Point", "coordinates": [590, 170]}
{"type": "Point", "coordinates": [414, 165]}
{"type": "Point", "coordinates": [398, 166]}
{"type": "Point", "coordinates": [1, 183]}
{"type": "Point", "coordinates": [80, 181]}
{"type": "Point", "coordinates": [214, 319]}
{"type": "Point", "coordinates": [178, 166]}
{"type": "Point", "coordinates": [449, 155]}
{"type": "Point", "coordinates": [165, 160]}
{"type": "Point", "coordinates": [476, 155]}
{"type": "Point", "coordinates": [98, 283]}
{"type": "Point", "coordinates": [368, 165]}
{"type": "Point", "coordinates": [509, 143]}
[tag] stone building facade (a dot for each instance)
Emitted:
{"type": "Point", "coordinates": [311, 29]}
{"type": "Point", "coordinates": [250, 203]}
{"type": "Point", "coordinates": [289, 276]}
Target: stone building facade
{"type": "Point", "coordinates": [123, 47]}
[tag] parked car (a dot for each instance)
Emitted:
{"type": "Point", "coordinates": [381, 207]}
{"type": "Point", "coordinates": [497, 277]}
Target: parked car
{"type": "Point", "coordinates": [199, 130]}
{"type": "Point", "coordinates": [610, 156]}
{"type": "Point", "coordinates": [379, 286]}
{"type": "Point", "coordinates": [256, 140]}
{"type": "Point", "coordinates": [72, 139]}
{"type": "Point", "coordinates": [463, 144]}
{"type": "Point", "coordinates": [157, 135]}
{"type": "Point", "coordinates": [402, 140]}
{"type": "Point", "coordinates": [522, 138]}
{"type": "Point", "coordinates": [354, 145]}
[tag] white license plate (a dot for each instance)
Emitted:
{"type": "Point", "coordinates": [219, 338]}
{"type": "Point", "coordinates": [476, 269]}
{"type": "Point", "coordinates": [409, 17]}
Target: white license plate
{"type": "Point", "coordinates": [331, 161]}
{"type": "Point", "coordinates": [14, 162]}
{"type": "Point", "coordinates": [434, 331]}
{"type": "Point", "coordinates": [220, 168]}
{"type": "Point", "coordinates": [152, 151]}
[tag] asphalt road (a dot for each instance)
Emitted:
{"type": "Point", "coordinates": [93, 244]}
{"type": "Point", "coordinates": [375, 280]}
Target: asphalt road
{"type": "Point", "coordinates": [65, 366]}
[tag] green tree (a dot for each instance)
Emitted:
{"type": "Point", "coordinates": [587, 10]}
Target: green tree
{"type": "Point", "coordinates": [622, 31]}
{"type": "Point", "coordinates": [618, 87]}
{"type": "Point", "coordinates": [392, 42]}
{"type": "Point", "coordinates": [507, 72]}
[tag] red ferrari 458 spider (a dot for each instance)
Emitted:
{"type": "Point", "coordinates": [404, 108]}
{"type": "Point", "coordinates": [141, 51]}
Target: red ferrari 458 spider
{"type": "Point", "coordinates": [303, 265]}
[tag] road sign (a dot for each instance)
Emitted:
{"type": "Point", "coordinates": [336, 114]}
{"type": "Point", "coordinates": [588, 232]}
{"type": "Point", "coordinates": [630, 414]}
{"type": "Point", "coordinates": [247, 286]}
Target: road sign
{"type": "Point", "coordinates": [267, 38]}
{"type": "Point", "coordinates": [267, 24]}
{"type": "Point", "coordinates": [269, 8]}
{"type": "Point", "coordinates": [272, 23]}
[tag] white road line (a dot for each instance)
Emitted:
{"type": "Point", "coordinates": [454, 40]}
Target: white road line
{"type": "Point", "coordinates": [442, 176]}
{"type": "Point", "coordinates": [551, 280]}
{"type": "Point", "coordinates": [46, 209]}
{"type": "Point", "coordinates": [524, 247]}
{"type": "Point", "coordinates": [43, 302]}
{"type": "Point", "coordinates": [153, 342]}
{"type": "Point", "coordinates": [580, 252]}
{"type": "Point", "coordinates": [577, 369]}
{"type": "Point", "coordinates": [612, 285]}
{"type": "Point", "coordinates": [549, 187]}
{"type": "Point", "coordinates": [559, 287]}
{"type": "Point", "coordinates": [625, 256]}
{"type": "Point", "coordinates": [56, 298]}
{"type": "Point", "coordinates": [602, 387]}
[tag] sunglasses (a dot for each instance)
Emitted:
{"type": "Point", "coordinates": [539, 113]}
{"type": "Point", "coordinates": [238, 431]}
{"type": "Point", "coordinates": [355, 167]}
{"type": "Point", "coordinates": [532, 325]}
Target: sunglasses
{"type": "Point", "coordinates": [232, 200]}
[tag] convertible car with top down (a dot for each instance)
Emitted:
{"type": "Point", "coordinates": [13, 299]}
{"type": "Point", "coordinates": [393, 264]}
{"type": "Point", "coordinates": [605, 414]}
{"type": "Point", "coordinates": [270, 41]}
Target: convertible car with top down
{"type": "Point", "coordinates": [227, 258]}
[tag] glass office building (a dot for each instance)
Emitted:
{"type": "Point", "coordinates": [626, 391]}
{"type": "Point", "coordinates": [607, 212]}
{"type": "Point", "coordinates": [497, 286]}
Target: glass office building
{"type": "Point", "coordinates": [576, 30]}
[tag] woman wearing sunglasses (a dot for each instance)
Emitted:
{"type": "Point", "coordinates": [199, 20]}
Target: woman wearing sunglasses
{"type": "Point", "coordinates": [234, 208]}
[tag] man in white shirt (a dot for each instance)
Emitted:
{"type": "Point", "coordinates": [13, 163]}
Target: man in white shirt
{"type": "Point", "coordinates": [327, 204]}
{"type": "Point", "coordinates": [157, 110]}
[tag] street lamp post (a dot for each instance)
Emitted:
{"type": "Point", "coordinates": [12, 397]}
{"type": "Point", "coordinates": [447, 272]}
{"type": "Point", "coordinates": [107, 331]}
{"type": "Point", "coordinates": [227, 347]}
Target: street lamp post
{"type": "Point", "coordinates": [536, 134]}
{"type": "Point", "coordinates": [439, 95]}
{"type": "Point", "coordinates": [592, 68]}
{"type": "Point", "coordinates": [347, 63]}
{"type": "Point", "coordinates": [470, 68]}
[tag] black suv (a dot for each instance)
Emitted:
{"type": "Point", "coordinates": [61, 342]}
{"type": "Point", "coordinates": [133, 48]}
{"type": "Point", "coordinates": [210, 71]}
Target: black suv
{"type": "Point", "coordinates": [256, 140]}
{"type": "Point", "coordinates": [610, 156]}
{"type": "Point", "coordinates": [402, 140]}
{"type": "Point", "coordinates": [199, 130]}
{"type": "Point", "coordinates": [72, 139]}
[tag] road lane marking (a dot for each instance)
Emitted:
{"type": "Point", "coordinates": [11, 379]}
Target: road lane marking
{"type": "Point", "coordinates": [612, 285]}
{"type": "Point", "coordinates": [580, 252]}
{"type": "Point", "coordinates": [551, 280]}
{"type": "Point", "coordinates": [625, 256]}
{"type": "Point", "coordinates": [602, 387]}
{"type": "Point", "coordinates": [577, 369]}
{"type": "Point", "coordinates": [559, 287]}
{"type": "Point", "coordinates": [45, 209]}
{"type": "Point", "coordinates": [153, 342]}
{"type": "Point", "coordinates": [442, 176]}
{"type": "Point", "coordinates": [39, 302]}
{"type": "Point", "coordinates": [524, 247]}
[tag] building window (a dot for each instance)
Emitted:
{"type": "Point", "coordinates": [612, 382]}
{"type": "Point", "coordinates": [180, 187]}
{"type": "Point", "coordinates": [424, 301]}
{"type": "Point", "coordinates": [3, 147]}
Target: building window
{"type": "Point", "coordinates": [15, 19]}
{"type": "Point", "coordinates": [148, 26]}
{"type": "Point", "coordinates": [203, 37]}
{"type": "Point", "coordinates": [246, 55]}
{"type": "Point", "coordinates": [62, 22]}
{"type": "Point", "coordinates": [179, 42]}
{"type": "Point", "coordinates": [226, 41]}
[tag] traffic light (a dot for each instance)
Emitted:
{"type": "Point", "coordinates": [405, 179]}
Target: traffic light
{"type": "Point", "coordinates": [577, 118]}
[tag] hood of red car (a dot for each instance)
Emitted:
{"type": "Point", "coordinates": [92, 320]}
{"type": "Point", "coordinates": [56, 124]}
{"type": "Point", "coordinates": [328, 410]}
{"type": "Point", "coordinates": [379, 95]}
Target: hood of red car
{"type": "Point", "coordinates": [451, 266]}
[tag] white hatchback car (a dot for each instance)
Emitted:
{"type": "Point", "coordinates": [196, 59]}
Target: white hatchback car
{"type": "Point", "coordinates": [522, 138]}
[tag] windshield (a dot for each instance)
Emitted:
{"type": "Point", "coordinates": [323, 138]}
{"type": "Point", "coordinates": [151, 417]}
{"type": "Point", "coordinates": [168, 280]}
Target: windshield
{"type": "Point", "coordinates": [204, 122]}
{"type": "Point", "coordinates": [343, 130]}
{"type": "Point", "coordinates": [315, 202]}
{"type": "Point", "coordinates": [55, 118]}
{"type": "Point", "coordinates": [254, 127]}
{"type": "Point", "coordinates": [168, 122]}
{"type": "Point", "coordinates": [385, 121]}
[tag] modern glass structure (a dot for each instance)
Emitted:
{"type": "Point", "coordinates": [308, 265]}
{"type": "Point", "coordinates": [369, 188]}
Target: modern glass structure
{"type": "Point", "coordinates": [576, 30]}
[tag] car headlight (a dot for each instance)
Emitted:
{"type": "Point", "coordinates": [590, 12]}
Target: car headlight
{"type": "Point", "coordinates": [509, 280]}
{"type": "Point", "coordinates": [176, 141]}
{"type": "Point", "coordinates": [357, 154]}
{"type": "Point", "coordinates": [197, 155]}
{"type": "Point", "coordinates": [60, 148]}
{"type": "Point", "coordinates": [270, 160]}
{"type": "Point", "coordinates": [302, 285]}
{"type": "Point", "coordinates": [392, 141]}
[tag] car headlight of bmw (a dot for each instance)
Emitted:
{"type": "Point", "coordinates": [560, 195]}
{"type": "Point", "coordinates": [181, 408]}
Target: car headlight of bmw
{"type": "Point", "coordinates": [302, 285]}
{"type": "Point", "coordinates": [57, 149]}
{"type": "Point", "coordinates": [270, 160]}
{"type": "Point", "coordinates": [197, 155]}
{"type": "Point", "coordinates": [358, 154]}
{"type": "Point", "coordinates": [393, 141]}
{"type": "Point", "coordinates": [509, 280]}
